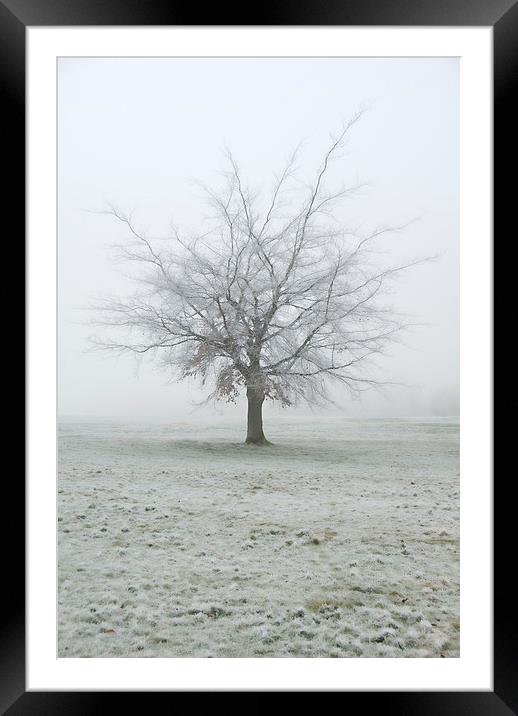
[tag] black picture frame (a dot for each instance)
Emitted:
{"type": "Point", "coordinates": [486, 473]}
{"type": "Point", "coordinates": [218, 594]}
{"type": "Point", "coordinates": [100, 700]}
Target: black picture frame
{"type": "Point", "coordinates": [502, 15]}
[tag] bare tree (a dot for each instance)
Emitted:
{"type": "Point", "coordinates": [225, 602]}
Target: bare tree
{"type": "Point", "coordinates": [278, 303]}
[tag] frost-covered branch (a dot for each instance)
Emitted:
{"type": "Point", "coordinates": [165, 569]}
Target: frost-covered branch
{"type": "Point", "coordinates": [280, 304]}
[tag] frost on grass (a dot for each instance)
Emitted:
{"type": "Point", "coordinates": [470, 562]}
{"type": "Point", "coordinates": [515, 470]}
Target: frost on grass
{"type": "Point", "coordinates": [342, 540]}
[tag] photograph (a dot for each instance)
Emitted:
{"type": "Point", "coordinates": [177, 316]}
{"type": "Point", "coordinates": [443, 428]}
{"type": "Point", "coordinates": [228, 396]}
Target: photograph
{"type": "Point", "coordinates": [258, 332]}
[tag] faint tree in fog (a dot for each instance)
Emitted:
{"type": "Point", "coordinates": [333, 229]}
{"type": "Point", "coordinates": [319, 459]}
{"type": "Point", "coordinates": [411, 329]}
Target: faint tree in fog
{"type": "Point", "coordinates": [275, 300]}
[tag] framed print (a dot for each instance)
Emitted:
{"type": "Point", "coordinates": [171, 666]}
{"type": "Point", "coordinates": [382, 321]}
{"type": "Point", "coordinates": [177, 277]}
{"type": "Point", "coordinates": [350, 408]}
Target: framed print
{"type": "Point", "coordinates": [259, 292]}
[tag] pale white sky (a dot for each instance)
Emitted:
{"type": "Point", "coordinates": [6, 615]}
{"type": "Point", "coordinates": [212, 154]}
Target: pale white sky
{"type": "Point", "coordinates": [139, 132]}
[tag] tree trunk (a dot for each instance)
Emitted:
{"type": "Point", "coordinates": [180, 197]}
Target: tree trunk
{"type": "Point", "coordinates": [254, 433]}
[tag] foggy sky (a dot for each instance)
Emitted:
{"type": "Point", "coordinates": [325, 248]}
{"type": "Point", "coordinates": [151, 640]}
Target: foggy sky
{"type": "Point", "coordinates": [139, 132]}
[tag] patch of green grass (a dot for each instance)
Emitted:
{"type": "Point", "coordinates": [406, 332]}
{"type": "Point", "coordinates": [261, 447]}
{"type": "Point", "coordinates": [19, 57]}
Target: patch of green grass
{"type": "Point", "coordinates": [436, 540]}
{"type": "Point", "coordinates": [347, 603]}
{"type": "Point", "coordinates": [448, 645]}
{"type": "Point", "coordinates": [367, 590]}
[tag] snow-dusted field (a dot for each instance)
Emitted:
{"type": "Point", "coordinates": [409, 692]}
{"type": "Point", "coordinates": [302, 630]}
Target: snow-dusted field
{"type": "Point", "coordinates": [341, 540]}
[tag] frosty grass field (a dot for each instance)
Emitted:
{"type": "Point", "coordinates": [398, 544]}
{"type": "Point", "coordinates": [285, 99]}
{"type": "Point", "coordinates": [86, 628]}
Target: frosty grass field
{"type": "Point", "coordinates": [341, 540]}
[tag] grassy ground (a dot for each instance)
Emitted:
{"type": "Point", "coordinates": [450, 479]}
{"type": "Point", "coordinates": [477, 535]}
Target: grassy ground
{"type": "Point", "coordinates": [341, 540]}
